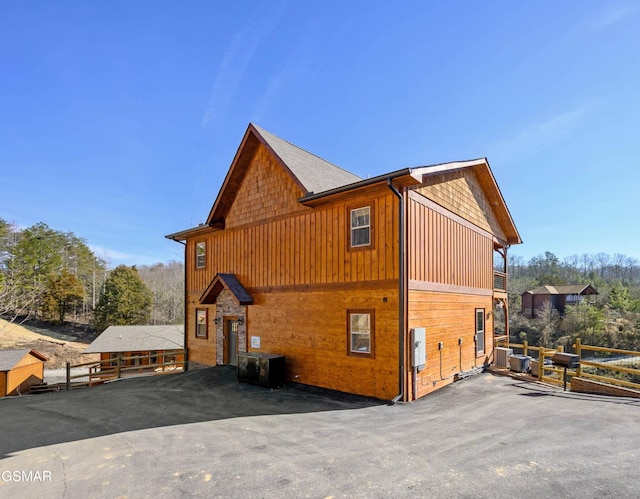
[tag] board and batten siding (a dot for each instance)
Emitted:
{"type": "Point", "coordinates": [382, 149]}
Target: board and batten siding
{"type": "Point", "coordinates": [450, 270]}
{"type": "Point", "coordinates": [305, 248]}
{"type": "Point", "coordinates": [445, 249]}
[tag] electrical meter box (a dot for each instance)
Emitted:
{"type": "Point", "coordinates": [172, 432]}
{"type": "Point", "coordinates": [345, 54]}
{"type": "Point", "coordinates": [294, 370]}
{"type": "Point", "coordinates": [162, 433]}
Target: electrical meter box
{"type": "Point", "coordinates": [419, 347]}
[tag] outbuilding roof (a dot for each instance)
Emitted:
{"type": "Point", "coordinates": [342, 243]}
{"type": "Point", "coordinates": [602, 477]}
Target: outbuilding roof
{"type": "Point", "coordinates": [572, 289]}
{"type": "Point", "coordinates": [9, 358]}
{"type": "Point", "coordinates": [138, 338]}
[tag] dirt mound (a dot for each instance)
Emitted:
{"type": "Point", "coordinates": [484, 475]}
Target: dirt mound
{"type": "Point", "coordinates": [57, 351]}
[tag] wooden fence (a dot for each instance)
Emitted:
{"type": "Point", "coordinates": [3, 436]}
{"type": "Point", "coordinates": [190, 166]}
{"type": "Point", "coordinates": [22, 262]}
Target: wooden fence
{"type": "Point", "coordinates": [601, 364]}
{"type": "Point", "coordinates": [101, 371]}
{"type": "Point", "coordinates": [611, 364]}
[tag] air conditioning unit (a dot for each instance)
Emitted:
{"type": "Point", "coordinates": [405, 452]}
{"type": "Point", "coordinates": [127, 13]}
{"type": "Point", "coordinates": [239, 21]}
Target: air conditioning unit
{"type": "Point", "coordinates": [265, 369]}
{"type": "Point", "coordinates": [502, 356]}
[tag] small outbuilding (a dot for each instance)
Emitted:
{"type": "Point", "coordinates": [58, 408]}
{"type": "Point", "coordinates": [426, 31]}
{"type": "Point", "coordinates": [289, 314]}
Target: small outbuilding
{"type": "Point", "coordinates": [139, 345]}
{"type": "Point", "coordinates": [19, 369]}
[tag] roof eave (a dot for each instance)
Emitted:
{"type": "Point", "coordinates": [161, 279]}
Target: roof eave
{"type": "Point", "coordinates": [183, 235]}
{"type": "Point", "coordinates": [402, 177]}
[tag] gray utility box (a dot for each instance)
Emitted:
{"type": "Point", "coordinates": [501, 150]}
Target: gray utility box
{"type": "Point", "coordinates": [519, 363]}
{"type": "Point", "coordinates": [264, 369]}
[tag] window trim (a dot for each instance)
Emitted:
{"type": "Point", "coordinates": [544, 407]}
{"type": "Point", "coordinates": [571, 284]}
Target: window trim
{"type": "Point", "coordinates": [480, 332]}
{"type": "Point", "coordinates": [205, 323]}
{"type": "Point", "coordinates": [350, 209]}
{"type": "Point", "coordinates": [372, 328]}
{"type": "Point", "coordinates": [201, 259]}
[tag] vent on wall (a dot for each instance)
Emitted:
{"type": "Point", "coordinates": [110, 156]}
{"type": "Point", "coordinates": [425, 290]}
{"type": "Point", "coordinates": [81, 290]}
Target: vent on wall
{"type": "Point", "coordinates": [502, 356]}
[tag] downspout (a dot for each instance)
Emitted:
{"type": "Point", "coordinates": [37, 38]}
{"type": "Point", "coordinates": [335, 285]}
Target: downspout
{"type": "Point", "coordinates": [401, 287]}
{"type": "Point", "coordinates": [185, 349]}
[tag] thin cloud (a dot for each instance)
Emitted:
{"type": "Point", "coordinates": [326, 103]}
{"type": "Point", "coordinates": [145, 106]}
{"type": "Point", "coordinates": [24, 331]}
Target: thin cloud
{"type": "Point", "coordinates": [538, 136]}
{"type": "Point", "coordinates": [300, 67]}
{"type": "Point", "coordinates": [236, 58]}
{"type": "Point", "coordinates": [110, 255]}
{"type": "Point", "coordinates": [615, 16]}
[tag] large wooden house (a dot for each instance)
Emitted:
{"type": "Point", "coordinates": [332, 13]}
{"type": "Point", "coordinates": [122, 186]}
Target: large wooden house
{"type": "Point", "coordinates": [384, 287]}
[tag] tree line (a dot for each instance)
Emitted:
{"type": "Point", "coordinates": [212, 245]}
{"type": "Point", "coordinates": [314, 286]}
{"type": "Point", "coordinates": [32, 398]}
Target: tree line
{"type": "Point", "coordinates": [612, 320]}
{"type": "Point", "coordinates": [54, 276]}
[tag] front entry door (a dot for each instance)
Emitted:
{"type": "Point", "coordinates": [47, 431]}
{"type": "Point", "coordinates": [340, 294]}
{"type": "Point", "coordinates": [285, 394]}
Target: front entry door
{"type": "Point", "coordinates": [231, 341]}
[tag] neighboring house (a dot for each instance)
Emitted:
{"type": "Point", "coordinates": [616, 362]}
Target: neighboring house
{"type": "Point", "coordinates": [19, 369]}
{"type": "Point", "coordinates": [159, 344]}
{"type": "Point", "coordinates": [557, 296]}
{"type": "Point", "coordinates": [344, 276]}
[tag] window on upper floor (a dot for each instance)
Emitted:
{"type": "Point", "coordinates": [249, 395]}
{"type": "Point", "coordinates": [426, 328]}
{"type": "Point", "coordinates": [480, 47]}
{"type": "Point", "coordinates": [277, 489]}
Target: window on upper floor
{"type": "Point", "coordinates": [361, 227]}
{"type": "Point", "coordinates": [201, 254]}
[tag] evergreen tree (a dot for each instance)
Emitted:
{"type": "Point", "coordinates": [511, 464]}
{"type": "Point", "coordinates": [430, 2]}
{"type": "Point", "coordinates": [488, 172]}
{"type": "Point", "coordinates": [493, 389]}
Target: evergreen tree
{"type": "Point", "coordinates": [64, 291]}
{"type": "Point", "coordinates": [619, 298]}
{"type": "Point", "coordinates": [125, 300]}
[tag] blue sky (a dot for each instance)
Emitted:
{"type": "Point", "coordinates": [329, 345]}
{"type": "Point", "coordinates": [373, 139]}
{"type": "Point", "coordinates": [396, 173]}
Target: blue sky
{"type": "Point", "coordinates": [119, 120]}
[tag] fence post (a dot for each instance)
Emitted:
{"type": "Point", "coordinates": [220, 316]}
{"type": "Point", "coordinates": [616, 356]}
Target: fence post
{"type": "Point", "coordinates": [68, 376]}
{"type": "Point", "coordinates": [118, 362]}
{"type": "Point", "coordinates": [525, 347]}
{"type": "Point", "coordinates": [540, 363]}
{"type": "Point", "coordinates": [579, 353]}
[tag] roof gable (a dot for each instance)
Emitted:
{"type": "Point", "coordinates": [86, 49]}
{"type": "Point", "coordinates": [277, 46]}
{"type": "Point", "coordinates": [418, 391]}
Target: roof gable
{"type": "Point", "coordinates": [478, 182]}
{"type": "Point", "coordinates": [230, 282]}
{"type": "Point", "coordinates": [308, 171]}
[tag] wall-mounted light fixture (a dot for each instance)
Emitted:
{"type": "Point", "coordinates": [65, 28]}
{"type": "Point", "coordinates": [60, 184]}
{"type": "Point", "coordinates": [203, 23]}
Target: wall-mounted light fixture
{"type": "Point", "coordinates": [216, 320]}
{"type": "Point", "coordinates": [240, 320]}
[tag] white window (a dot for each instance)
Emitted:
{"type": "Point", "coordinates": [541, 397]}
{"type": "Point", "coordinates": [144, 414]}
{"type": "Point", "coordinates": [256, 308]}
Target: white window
{"type": "Point", "coordinates": [201, 323]}
{"type": "Point", "coordinates": [361, 227]}
{"type": "Point", "coordinates": [360, 332]}
{"type": "Point", "coordinates": [201, 254]}
{"type": "Point", "coordinates": [479, 331]}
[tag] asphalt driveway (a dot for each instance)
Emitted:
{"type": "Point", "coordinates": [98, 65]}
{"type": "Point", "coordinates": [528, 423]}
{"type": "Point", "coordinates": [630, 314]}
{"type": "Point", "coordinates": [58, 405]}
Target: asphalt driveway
{"type": "Point", "coordinates": [202, 434]}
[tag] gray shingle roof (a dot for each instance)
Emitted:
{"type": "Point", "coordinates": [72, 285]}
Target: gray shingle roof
{"type": "Point", "coordinates": [573, 289]}
{"type": "Point", "coordinates": [138, 338]}
{"type": "Point", "coordinates": [9, 358]}
{"type": "Point", "coordinates": [313, 172]}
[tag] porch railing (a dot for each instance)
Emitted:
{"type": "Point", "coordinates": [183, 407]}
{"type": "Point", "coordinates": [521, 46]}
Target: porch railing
{"type": "Point", "coordinates": [101, 371]}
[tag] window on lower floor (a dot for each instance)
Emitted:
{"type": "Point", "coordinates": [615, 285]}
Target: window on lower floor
{"type": "Point", "coordinates": [480, 330]}
{"type": "Point", "coordinates": [360, 332]}
{"type": "Point", "coordinates": [201, 323]}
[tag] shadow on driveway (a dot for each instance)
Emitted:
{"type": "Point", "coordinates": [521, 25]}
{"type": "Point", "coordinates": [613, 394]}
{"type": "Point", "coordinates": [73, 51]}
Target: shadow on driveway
{"type": "Point", "coordinates": [133, 404]}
